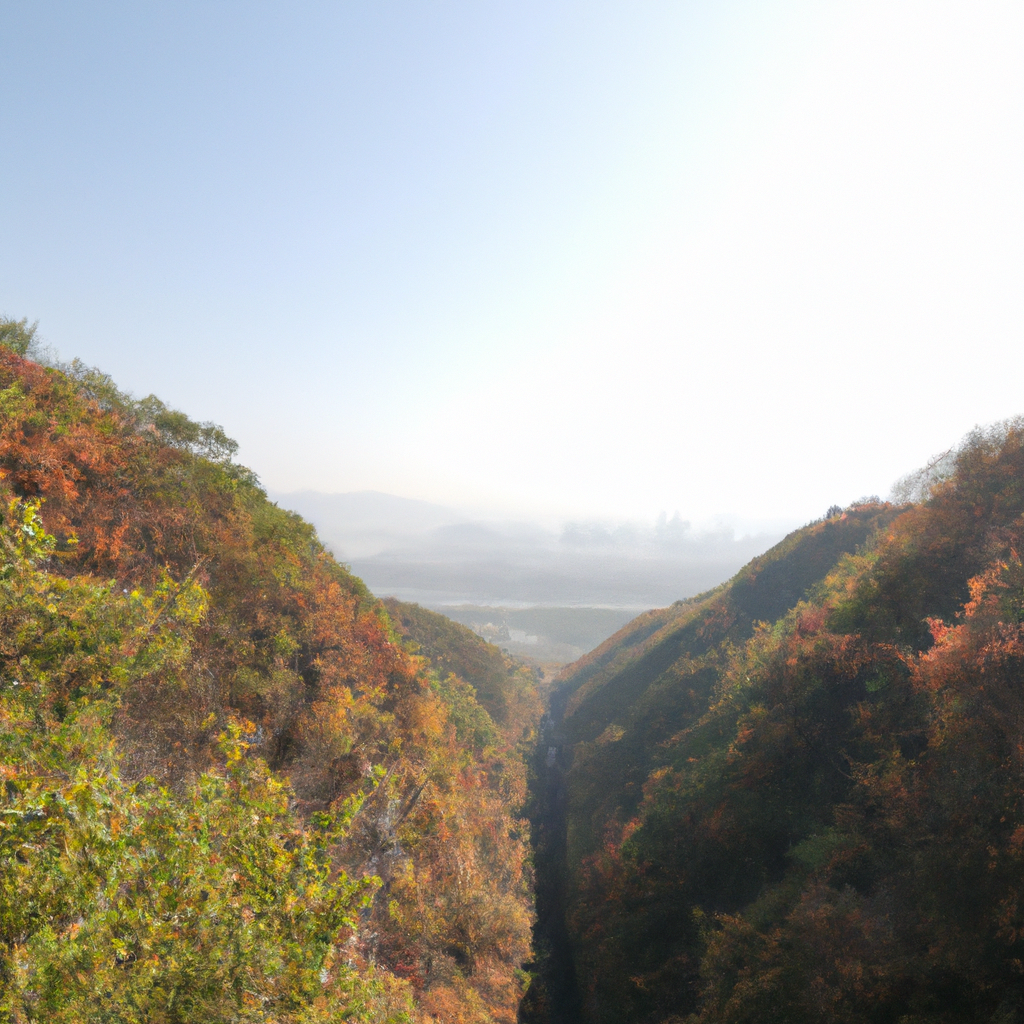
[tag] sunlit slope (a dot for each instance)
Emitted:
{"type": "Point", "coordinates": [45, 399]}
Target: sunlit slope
{"type": "Point", "coordinates": [799, 798]}
{"type": "Point", "coordinates": [169, 605]}
{"type": "Point", "coordinates": [506, 688]}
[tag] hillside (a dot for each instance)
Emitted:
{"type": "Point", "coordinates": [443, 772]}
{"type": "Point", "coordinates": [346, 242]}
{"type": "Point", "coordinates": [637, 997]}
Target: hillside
{"type": "Point", "coordinates": [797, 798]}
{"type": "Point", "coordinates": [232, 790]}
{"type": "Point", "coordinates": [506, 688]}
{"type": "Point", "coordinates": [236, 786]}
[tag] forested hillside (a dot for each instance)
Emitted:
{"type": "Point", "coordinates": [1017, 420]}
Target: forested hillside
{"type": "Point", "coordinates": [238, 787]}
{"type": "Point", "coordinates": [798, 798]}
{"type": "Point", "coordinates": [232, 790]}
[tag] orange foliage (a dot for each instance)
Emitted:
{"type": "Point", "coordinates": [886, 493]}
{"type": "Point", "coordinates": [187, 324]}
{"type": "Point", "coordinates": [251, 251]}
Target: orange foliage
{"type": "Point", "coordinates": [298, 647]}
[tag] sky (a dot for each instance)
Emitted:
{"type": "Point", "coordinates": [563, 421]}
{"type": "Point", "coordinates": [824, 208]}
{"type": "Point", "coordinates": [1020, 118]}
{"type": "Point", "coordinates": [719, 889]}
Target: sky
{"type": "Point", "coordinates": [744, 259]}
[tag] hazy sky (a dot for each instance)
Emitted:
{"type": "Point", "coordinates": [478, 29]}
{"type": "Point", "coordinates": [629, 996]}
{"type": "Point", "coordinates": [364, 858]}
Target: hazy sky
{"type": "Point", "coordinates": [599, 258]}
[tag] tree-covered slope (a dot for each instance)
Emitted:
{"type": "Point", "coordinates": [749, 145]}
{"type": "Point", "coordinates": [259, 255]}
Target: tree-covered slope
{"type": "Point", "coordinates": [602, 685]}
{"type": "Point", "coordinates": [211, 735]}
{"type": "Point", "coordinates": [798, 798]}
{"type": "Point", "coordinates": [504, 686]}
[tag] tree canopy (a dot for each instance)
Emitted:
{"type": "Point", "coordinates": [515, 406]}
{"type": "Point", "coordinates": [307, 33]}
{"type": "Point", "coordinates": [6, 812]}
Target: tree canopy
{"type": "Point", "coordinates": [231, 790]}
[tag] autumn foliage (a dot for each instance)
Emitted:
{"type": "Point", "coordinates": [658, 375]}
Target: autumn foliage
{"type": "Point", "coordinates": [234, 786]}
{"type": "Point", "coordinates": [188, 679]}
{"type": "Point", "coordinates": [815, 814]}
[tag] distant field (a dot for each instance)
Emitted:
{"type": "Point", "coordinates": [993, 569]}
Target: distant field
{"type": "Point", "coordinates": [545, 635]}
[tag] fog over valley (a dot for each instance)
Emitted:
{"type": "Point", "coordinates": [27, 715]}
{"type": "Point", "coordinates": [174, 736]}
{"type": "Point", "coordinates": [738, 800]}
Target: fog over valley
{"type": "Point", "coordinates": [579, 580]}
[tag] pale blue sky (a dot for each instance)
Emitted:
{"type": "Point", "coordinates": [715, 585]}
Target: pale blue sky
{"type": "Point", "coordinates": [593, 258]}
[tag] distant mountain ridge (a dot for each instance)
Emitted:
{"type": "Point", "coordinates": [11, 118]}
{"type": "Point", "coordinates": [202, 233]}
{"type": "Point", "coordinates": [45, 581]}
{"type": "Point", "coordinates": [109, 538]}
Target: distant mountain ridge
{"type": "Point", "coordinates": [358, 524]}
{"type": "Point", "coordinates": [439, 557]}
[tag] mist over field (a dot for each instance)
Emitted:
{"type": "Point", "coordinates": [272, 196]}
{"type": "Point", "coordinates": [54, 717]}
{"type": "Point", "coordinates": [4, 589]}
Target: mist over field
{"type": "Point", "coordinates": [439, 556]}
{"type": "Point", "coordinates": [579, 581]}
